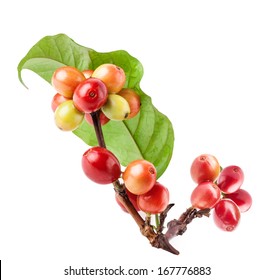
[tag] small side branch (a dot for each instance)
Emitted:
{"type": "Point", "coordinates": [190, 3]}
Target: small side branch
{"type": "Point", "coordinates": [156, 236]}
{"type": "Point", "coordinates": [156, 239]}
{"type": "Point", "coordinates": [178, 227]}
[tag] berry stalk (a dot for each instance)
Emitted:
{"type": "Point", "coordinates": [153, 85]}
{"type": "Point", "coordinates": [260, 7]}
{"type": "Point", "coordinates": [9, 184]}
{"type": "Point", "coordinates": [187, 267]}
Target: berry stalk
{"type": "Point", "coordinates": [98, 129]}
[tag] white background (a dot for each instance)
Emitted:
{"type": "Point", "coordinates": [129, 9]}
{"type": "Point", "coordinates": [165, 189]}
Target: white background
{"type": "Point", "coordinates": [208, 67]}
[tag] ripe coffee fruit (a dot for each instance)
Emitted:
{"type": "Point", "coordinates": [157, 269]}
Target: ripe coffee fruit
{"type": "Point", "coordinates": [90, 95]}
{"type": "Point", "coordinates": [139, 176]}
{"type": "Point", "coordinates": [205, 195]}
{"type": "Point", "coordinates": [133, 100]}
{"type": "Point", "coordinates": [87, 73]}
{"type": "Point", "coordinates": [230, 179]}
{"type": "Point", "coordinates": [57, 100]}
{"type": "Point", "coordinates": [205, 168]}
{"type": "Point", "coordinates": [242, 198]}
{"type": "Point", "coordinates": [112, 75]}
{"type": "Point", "coordinates": [155, 200]}
{"type": "Point", "coordinates": [100, 165]}
{"type": "Point", "coordinates": [226, 215]}
{"type": "Point", "coordinates": [65, 79]}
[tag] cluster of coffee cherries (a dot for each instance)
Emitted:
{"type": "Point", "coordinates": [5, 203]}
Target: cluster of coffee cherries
{"type": "Point", "coordinates": [139, 177]}
{"type": "Point", "coordinates": [142, 188]}
{"type": "Point", "coordinates": [219, 189]}
{"type": "Point", "coordinates": [79, 95]}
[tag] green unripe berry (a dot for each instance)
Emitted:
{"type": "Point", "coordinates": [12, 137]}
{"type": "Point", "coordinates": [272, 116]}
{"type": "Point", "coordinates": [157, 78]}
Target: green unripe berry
{"type": "Point", "coordinates": [116, 108]}
{"type": "Point", "coordinates": [67, 116]}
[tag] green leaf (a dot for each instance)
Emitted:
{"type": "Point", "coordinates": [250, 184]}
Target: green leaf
{"type": "Point", "coordinates": [149, 135]}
